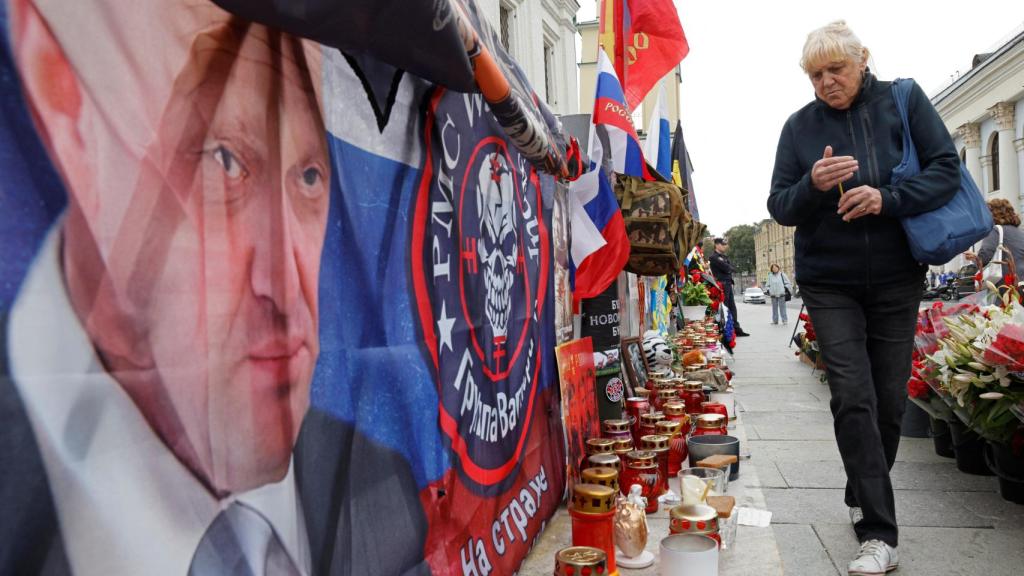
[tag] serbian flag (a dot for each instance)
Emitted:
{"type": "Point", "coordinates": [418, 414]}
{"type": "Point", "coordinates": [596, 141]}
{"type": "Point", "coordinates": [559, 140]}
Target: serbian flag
{"type": "Point", "coordinates": [600, 247]}
{"type": "Point", "coordinates": [612, 114]}
{"type": "Point", "coordinates": [658, 146]}
{"type": "Point", "coordinates": [646, 41]}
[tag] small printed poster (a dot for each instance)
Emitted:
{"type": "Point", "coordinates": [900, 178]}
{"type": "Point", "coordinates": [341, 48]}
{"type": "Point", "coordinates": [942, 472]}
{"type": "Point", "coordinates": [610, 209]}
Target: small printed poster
{"type": "Point", "coordinates": [577, 377]}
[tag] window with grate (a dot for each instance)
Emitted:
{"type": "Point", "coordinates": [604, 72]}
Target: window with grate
{"type": "Point", "coordinates": [505, 23]}
{"type": "Point", "coordinates": [549, 73]}
{"type": "Point", "coordinates": [994, 150]}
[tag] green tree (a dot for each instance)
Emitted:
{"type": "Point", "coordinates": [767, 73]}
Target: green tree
{"type": "Point", "coordinates": [741, 248]}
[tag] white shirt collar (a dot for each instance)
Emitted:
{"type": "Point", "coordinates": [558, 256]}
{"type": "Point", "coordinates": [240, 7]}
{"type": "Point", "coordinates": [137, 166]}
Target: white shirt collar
{"type": "Point", "coordinates": [125, 504]}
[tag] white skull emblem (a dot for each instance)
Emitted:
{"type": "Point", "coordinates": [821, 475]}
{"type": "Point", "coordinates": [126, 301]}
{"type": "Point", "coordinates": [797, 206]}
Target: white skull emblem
{"type": "Point", "coordinates": [498, 247]}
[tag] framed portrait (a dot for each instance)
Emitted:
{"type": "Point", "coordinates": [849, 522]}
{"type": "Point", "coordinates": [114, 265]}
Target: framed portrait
{"type": "Point", "coordinates": [634, 364]}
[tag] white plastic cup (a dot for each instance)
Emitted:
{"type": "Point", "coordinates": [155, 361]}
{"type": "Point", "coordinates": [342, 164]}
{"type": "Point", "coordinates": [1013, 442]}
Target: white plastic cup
{"type": "Point", "coordinates": [727, 397]}
{"type": "Point", "coordinates": [688, 555]}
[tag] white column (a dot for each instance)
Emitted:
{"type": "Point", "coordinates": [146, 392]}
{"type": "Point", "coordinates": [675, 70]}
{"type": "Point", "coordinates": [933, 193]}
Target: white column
{"type": "Point", "coordinates": [986, 176]}
{"type": "Point", "coordinates": [971, 135]}
{"type": "Point", "coordinates": [1008, 173]}
{"type": "Point", "coordinates": [1018, 144]}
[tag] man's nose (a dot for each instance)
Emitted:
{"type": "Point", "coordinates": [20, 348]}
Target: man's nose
{"type": "Point", "coordinates": [275, 272]}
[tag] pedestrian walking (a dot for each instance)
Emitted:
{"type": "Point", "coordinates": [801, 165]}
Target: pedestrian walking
{"type": "Point", "coordinates": [778, 285]}
{"type": "Point", "coordinates": [1005, 217]}
{"type": "Point", "coordinates": [858, 279]}
{"type": "Point", "coordinates": [723, 270]}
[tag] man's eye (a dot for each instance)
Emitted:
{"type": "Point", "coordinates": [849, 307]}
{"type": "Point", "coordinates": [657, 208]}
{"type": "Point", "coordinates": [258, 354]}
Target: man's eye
{"type": "Point", "coordinates": [311, 176]}
{"type": "Point", "coordinates": [232, 167]}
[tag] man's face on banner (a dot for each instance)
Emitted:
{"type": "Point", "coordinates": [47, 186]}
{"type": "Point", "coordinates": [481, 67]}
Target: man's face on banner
{"type": "Point", "coordinates": [251, 239]}
{"type": "Point", "coordinates": [205, 304]}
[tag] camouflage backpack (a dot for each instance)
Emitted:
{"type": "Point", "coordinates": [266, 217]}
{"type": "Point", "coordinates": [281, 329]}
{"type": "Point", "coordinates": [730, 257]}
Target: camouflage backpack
{"type": "Point", "coordinates": [654, 215]}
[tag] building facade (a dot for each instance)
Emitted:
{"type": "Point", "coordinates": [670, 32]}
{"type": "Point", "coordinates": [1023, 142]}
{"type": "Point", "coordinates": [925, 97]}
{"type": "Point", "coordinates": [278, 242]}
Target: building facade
{"type": "Point", "coordinates": [773, 244]}
{"type": "Point", "coordinates": [984, 111]}
{"type": "Point", "coordinates": [588, 79]}
{"type": "Point", "coordinates": [541, 36]}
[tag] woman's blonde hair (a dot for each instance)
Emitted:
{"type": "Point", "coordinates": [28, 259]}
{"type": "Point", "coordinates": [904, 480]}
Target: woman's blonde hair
{"type": "Point", "coordinates": [774, 265]}
{"type": "Point", "coordinates": [832, 43]}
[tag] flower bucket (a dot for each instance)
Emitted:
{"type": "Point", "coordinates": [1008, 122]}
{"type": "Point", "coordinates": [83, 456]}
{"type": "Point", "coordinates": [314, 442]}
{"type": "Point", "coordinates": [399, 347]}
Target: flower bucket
{"type": "Point", "coordinates": [694, 312]}
{"type": "Point", "coordinates": [915, 422]}
{"type": "Point", "coordinates": [942, 439]}
{"type": "Point", "coordinates": [1010, 470]}
{"type": "Point", "coordinates": [969, 449]}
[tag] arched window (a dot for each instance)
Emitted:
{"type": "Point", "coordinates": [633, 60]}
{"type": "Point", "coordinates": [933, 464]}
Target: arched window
{"type": "Point", "coordinates": [993, 149]}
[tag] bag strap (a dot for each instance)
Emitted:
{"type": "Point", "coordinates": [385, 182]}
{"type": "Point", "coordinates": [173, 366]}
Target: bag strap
{"type": "Point", "coordinates": [901, 95]}
{"type": "Point", "coordinates": [997, 256]}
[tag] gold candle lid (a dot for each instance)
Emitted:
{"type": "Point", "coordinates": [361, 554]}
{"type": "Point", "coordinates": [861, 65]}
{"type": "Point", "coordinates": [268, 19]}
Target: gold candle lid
{"type": "Point", "coordinates": [608, 460]}
{"type": "Point", "coordinates": [693, 386]}
{"type": "Point", "coordinates": [655, 442]}
{"type": "Point", "coordinates": [642, 392]}
{"type": "Point", "coordinates": [635, 400]}
{"type": "Point", "coordinates": [593, 498]}
{"type": "Point", "coordinates": [669, 428]}
{"type": "Point", "coordinates": [661, 381]}
{"type": "Point", "coordinates": [600, 445]}
{"type": "Point", "coordinates": [640, 457]}
{"type": "Point", "coordinates": [694, 512]}
{"type": "Point", "coordinates": [667, 393]}
{"type": "Point", "coordinates": [579, 557]}
{"type": "Point", "coordinates": [616, 426]}
{"type": "Point", "coordinates": [710, 421]}
{"type": "Point", "coordinates": [652, 418]}
{"type": "Point", "coordinates": [623, 446]}
{"type": "Point", "coordinates": [674, 408]}
{"type": "Point", "coordinates": [601, 475]}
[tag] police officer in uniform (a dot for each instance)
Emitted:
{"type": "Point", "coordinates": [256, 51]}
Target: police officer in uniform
{"type": "Point", "coordinates": [722, 269]}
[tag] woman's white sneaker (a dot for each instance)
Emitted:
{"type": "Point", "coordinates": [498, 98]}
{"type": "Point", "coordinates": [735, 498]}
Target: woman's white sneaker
{"type": "Point", "coordinates": [874, 558]}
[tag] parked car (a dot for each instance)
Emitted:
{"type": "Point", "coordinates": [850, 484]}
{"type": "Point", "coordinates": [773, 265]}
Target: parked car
{"type": "Point", "coordinates": [754, 295]}
{"type": "Point", "coordinates": [964, 284]}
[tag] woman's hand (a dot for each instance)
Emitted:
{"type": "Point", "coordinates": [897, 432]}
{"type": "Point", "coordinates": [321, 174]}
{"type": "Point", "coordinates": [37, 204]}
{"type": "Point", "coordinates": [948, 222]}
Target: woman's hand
{"type": "Point", "coordinates": [828, 172]}
{"type": "Point", "coordinates": [860, 201]}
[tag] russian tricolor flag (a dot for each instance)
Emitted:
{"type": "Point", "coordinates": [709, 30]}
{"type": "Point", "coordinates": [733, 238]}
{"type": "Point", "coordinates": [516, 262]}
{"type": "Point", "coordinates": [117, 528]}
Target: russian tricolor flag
{"type": "Point", "coordinates": [600, 247]}
{"type": "Point", "coordinates": [611, 112]}
{"type": "Point", "coordinates": [658, 146]}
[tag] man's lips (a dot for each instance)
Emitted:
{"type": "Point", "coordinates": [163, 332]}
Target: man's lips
{"type": "Point", "coordinates": [279, 362]}
{"type": "Point", "coordinates": [277, 349]}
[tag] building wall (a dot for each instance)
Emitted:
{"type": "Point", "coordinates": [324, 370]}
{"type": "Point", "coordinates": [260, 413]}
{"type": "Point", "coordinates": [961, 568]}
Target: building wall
{"type": "Point", "coordinates": [588, 78]}
{"type": "Point", "coordinates": [533, 24]}
{"type": "Point", "coordinates": [773, 244]}
{"type": "Point", "coordinates": [986, 102]}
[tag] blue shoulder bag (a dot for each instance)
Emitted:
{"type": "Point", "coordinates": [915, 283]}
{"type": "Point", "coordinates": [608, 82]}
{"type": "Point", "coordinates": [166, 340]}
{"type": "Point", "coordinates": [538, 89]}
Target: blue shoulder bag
{"type": "Point", "coordinates": [938, 236]}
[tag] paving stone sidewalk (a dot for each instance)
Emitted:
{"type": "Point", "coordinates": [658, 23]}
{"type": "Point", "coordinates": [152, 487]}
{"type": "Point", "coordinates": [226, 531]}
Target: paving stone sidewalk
{"type": "Point", "coordinates": [951, 523]}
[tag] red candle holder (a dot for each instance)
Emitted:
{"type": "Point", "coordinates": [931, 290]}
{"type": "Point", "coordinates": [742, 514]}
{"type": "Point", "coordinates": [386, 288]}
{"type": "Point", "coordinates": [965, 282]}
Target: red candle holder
{"type": "Point", "coordinates": [592, 513]}
{"type": "Point", "coordinates": [659, 445]}
{"type": "Point", "coordinates": [646, 473]}
{"type": "Point", "coordinates": [708, 424]}
{"type": "Point", "coordinates": [716, 408]}
{"type": "Point", "coordinates": [693, 396]}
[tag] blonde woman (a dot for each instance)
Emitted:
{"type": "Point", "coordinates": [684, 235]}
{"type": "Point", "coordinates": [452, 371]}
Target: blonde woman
{"type": "Point", "coordinates": [858, 279]}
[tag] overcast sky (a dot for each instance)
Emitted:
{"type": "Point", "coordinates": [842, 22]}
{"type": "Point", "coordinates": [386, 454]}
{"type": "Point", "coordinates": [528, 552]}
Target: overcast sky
{"type": "Point", "coordinates": [742, 78]}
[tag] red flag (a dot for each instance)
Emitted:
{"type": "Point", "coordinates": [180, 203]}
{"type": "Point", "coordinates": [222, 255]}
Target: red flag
{"type": "Point", "coordinates": [645, 41]}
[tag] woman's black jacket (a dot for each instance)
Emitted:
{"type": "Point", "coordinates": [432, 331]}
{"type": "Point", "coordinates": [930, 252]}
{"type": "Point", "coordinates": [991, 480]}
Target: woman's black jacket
{"type": "Point", "coordinates": [871, 250]}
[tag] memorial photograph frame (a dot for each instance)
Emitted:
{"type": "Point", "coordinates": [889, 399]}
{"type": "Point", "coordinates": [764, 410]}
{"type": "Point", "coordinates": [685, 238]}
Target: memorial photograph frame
{"type": "Point", "coordinates": [633, 360]}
